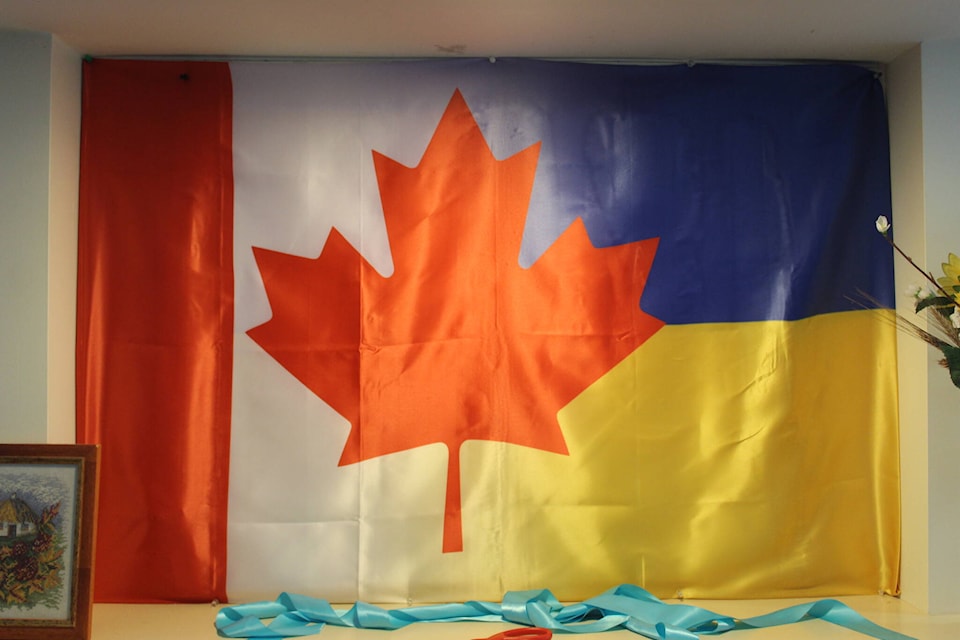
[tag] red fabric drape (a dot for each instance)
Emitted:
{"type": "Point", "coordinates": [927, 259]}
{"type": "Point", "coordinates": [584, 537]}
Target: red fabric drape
{"type": "Point", "coordinates": [155, 323]}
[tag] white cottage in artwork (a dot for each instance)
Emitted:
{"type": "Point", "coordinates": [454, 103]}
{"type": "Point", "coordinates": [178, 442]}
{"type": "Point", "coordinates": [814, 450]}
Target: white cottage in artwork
{"type": "Point", "coordinates": [16, 518]}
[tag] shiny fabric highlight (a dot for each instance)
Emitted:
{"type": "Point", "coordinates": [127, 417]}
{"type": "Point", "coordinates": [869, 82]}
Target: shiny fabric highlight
{"type": "Point", "coordinates": [155, 324]}
{"type": "Point", "coordinates": [748, 448]}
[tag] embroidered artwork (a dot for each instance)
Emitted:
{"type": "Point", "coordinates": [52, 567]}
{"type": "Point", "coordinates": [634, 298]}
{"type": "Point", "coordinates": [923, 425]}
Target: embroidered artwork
{"type": "Point", "coordinates": [38, 507]}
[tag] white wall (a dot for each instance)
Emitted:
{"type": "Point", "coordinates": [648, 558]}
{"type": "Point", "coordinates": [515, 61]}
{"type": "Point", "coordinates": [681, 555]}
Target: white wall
{"type": "Point", "coordinates": [24, 177]}
{"type": "Point", "coordinates": [941, 170]}
{"type": "Point", "coordinates": [39, 139]}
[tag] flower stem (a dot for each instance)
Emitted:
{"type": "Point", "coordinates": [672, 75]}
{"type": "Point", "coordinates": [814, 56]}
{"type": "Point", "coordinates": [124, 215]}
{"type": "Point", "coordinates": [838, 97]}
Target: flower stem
{"type": "Point", "coordinates": [926, 275]}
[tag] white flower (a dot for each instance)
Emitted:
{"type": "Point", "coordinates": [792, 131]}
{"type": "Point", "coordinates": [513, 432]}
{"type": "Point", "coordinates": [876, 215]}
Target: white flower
{"type": "Point", "coordinates": [914, 290]}
{"type": "Point", "coordinates": [883, 225]}
{"type": "Point", "coordinates": [955, 318]}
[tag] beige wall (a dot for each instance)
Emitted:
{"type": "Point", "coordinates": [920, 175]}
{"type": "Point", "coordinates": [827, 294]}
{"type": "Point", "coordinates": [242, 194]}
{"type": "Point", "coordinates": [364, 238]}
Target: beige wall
{"type": "Point", "coordinates": [65, 82]}
{"type": "Point", "coordinates": [906, 167]}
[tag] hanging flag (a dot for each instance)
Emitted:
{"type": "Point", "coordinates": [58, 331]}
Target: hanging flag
{"type": "Point", "coordinates": [435, 330]}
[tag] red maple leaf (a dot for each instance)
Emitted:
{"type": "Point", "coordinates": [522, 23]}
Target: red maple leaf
{"type": "Point", "coordinates": [460, 343]}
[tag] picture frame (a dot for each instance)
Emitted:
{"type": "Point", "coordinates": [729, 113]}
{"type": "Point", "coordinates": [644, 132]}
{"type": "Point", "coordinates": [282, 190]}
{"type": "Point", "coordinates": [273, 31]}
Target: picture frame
{"type": "Point", "coordinates": [48, 510]}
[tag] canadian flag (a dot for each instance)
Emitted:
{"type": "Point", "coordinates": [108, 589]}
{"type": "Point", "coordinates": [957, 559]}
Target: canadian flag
{"type": "Point", "coordinates": [422, 331]}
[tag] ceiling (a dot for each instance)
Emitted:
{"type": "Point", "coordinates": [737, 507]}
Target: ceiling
{"type": "Point", "coordinates": [852, 30]}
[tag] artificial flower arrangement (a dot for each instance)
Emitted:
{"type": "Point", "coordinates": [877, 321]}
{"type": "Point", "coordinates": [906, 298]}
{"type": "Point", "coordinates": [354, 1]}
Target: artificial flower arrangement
{"type": "Point", "coordinates": [941, 301]}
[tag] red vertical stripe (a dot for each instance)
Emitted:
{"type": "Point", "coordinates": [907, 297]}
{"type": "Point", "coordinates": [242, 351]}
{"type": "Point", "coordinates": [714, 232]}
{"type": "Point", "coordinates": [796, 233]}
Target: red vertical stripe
{"type": "Point", "coordinates": [155, 323]}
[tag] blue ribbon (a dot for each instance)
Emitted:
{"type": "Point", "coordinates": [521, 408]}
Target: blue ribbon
{"type": "Point", "coordinates": [625, 607]}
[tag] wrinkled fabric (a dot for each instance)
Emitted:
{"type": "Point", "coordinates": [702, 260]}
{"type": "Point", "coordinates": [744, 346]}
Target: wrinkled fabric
{"type": "Point", "coordinates": [422, 331]}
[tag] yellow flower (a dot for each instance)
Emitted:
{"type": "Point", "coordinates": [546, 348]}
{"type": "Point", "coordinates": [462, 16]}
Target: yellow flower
{"type": "Point", "coordinates": [951, 276]}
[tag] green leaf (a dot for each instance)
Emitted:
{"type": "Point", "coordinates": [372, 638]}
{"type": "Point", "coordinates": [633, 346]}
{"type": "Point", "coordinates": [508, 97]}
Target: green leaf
{"type": "Point", "coordinates": [933, 301]}
{"type": "Point", "coordinates": [952, 356]}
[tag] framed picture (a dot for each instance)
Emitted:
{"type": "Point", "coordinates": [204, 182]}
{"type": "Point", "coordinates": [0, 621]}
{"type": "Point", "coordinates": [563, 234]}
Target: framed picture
{"type": "Point", "coordinates": [48, 503]}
